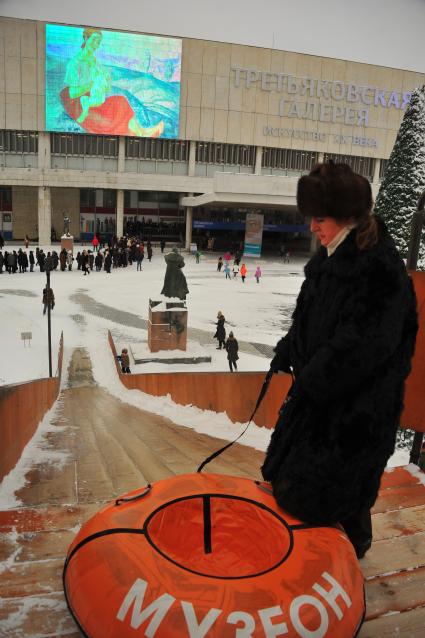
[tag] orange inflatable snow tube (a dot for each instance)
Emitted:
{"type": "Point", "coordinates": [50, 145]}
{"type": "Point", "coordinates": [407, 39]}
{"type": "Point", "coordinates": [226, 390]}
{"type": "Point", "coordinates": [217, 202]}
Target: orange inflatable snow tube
{"type": "Point", "coordinates": [207, 555]}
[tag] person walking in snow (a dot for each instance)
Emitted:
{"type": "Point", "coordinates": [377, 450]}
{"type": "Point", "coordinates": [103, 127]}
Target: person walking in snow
{"type": "Point", "coordinates": [41, 259]}
{"type": "Point", "coordinates": [98, 261]}
{"type": "Point", "coordinates": [22, 260]}
{"type": "Point", "coordinates": [220, 333]}
{"type": "Point", "coordinates": [198, 256]}
{"type": "Point", "coordinates": [227, 270]}
{"type": "Point", "coordinates": [85, 264]}
{"type": "Point", "coordinates": [79, 260]}
{"type": "Point", "coordinates": [219, 263]}
{"type": "Point", "coordinates": [232, 348]}
{"type": "Point", "coordinates": [69, 260]}
{"type": "Point", "coordinates": [235, 270]}
{"type": "Point", "coordinates": [12, 262]}
{"type": "Point", "coordinates": [139, 257]}
{"type": "Point", "coordinates": [48, 299]}
{"type": "Point", "coordinates": [108, 262]}
{"type": "Point", "coordinates": [257, 274]}
{"type": "Point", "coordinates": [63, 259]}
{"type": "Point", "coordinates": [243, 273]}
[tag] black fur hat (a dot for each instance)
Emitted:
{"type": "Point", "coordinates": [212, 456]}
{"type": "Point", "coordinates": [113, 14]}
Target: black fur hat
{"type": "Point", "coordinates": [334, 190]}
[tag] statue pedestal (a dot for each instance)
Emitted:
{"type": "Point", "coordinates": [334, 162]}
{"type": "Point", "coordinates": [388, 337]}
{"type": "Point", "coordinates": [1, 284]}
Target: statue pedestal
{"type": "Point", "coordinates": [167, 324]}
{"type": "Point", "coordinates": [67, 242]}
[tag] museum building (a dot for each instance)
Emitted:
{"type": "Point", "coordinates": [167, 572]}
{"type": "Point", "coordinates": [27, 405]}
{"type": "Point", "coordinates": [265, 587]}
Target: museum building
{"type": "Point", "coordinates": [177, 138]}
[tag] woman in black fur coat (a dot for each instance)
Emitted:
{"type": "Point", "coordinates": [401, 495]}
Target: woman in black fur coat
{"type": "Point", "coordinates": [350, 348]}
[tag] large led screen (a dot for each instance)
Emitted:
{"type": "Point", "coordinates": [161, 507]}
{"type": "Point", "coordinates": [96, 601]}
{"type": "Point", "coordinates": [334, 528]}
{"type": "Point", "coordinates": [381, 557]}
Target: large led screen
{"type": "Point", "coordinates": [112, 83]}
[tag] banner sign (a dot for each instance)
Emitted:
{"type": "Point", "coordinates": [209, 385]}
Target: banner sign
{"type": "Point", "coordinates": [112, 83]}
{"type": "Point", "coordinates": [253, 234]}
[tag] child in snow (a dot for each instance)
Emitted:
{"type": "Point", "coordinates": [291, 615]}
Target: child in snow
{"type": "Point", "coordinates": [125, 361]}
{"type": "Point", "coordinates": [257, 274]}
{"type": "Point", "coordinates": [243, 273]}
{"type": "Point", "coordinates": [227, 270]}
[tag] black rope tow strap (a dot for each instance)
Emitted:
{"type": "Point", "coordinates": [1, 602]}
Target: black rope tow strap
{"type": "Point", "coordinates": [263, 391]}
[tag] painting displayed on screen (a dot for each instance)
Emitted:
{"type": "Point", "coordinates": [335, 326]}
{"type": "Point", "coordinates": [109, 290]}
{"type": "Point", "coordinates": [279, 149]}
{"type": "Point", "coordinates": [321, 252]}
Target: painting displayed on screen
{"type": "Point", "coordinates": [112, 83]}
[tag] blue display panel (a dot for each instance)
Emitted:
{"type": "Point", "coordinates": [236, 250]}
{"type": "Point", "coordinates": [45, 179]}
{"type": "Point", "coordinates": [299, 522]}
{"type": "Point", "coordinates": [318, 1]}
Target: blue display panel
{"type": "Point", "coordinates": [112, 83]}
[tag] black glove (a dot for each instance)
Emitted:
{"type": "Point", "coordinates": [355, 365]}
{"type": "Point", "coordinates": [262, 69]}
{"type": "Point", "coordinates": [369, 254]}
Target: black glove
{"type": "Point", "coordinates": [277, 364]}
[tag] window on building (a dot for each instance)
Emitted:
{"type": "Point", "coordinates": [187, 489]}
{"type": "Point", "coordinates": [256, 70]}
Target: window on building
{"type": "Point", "coordinates": [18, 141]}
{"type": "Point", "coordinates": [87, 197]}
{"type": "Point", "coordinates": [109, 198]}
{"type": "Point", "coordinates": [217, 153]}
{"type": "Point", "coordinates": [5, 198]}
{"type": "Point", "coordinates": [383, 168]}
{"type": "Point", "coordinates": [98, 198]}
{"type": "Point", "coordinates": [286, 159]}
{"type": "Point", "coordinates": [93, 145]}
{"type": "Point", "coordinates": [152, 149]}
{"type": "Point", "coordinates": [362, 165]}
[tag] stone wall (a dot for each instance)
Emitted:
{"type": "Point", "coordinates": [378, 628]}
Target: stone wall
{"type": "Point", "coordinates": [22, 44]}
{"type": "Point", "coordinates": [25, 211]}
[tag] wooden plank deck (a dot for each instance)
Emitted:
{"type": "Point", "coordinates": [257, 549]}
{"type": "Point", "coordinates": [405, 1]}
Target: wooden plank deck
{"type": "Point", "coordinates": [113, 448]}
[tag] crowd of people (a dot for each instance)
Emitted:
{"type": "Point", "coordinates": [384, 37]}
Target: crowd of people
{"type": "Point", "coordinates": [119, 254]}
{"type": "Point", "coordinates": [242, 271]}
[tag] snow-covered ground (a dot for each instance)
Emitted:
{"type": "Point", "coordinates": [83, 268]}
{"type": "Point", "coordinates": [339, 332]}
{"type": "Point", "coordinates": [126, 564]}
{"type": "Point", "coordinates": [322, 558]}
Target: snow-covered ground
{"type": "Point", "coordinates": [255, 312]}
{"type": "Point", "coordinates": [87, 306]}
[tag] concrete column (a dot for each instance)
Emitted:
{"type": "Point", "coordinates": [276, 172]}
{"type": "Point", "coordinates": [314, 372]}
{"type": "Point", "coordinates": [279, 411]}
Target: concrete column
{"type": "Point", "coordinates": [189, 220]}
{"type": "Point", "coordinates": [121, 154]}
{"type": "Point", "coordinates": [44, 156]}
{"type": "Point", "coordinates": [258, 160]}
{"type": "Point", "coordinates": [120, 213]}
{"type": "Point", "coordinates": [321, 157]}
{"type": "Point", "coordinates": [192, 158]}
{"type": "Point", "coordinates": [44, 216]}
{"type": "Point", "coordinates": [377, 168]}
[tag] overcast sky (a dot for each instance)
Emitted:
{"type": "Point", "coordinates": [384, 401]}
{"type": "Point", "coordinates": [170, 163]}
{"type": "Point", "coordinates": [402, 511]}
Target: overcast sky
{"type": "Point", "coordinates": [385, 32]}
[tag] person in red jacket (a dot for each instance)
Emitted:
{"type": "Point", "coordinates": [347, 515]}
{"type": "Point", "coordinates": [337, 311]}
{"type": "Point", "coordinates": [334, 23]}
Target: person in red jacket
{"type": "Point", "coordinates": [95, 243]}
{"type": "Point", "coordinates": [243, 273]}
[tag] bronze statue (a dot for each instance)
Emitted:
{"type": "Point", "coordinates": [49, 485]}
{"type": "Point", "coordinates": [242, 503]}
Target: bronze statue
{"type": "Point", "coordinates": [175, 282]}
{"type": "Point", "coordinates": [66, 225]}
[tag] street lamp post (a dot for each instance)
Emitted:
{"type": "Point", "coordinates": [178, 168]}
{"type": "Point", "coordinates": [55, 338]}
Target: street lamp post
{"type": "Point", "coordinates": [48, 267]}
{"type": "Point", "coordinates": [412, 260]}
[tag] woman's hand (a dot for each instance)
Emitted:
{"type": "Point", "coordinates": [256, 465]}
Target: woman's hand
{"type": "Point", "coordinates": [80, 89]}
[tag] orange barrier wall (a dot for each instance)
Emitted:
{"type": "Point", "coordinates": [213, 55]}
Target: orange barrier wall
{"type": "Point", "coordinates": [22, 407]}
{"type": "Point", "coordinates": [414, 400]}
{"type": "Point", "coordinates": [234, 394]}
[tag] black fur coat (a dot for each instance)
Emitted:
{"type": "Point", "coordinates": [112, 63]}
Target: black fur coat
{"type": "Point", "coordinates": [350, 346]}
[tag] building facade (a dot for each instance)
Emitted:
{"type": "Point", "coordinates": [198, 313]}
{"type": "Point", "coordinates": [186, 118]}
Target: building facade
{"type": "Point", "coordinates": [251, 121]}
